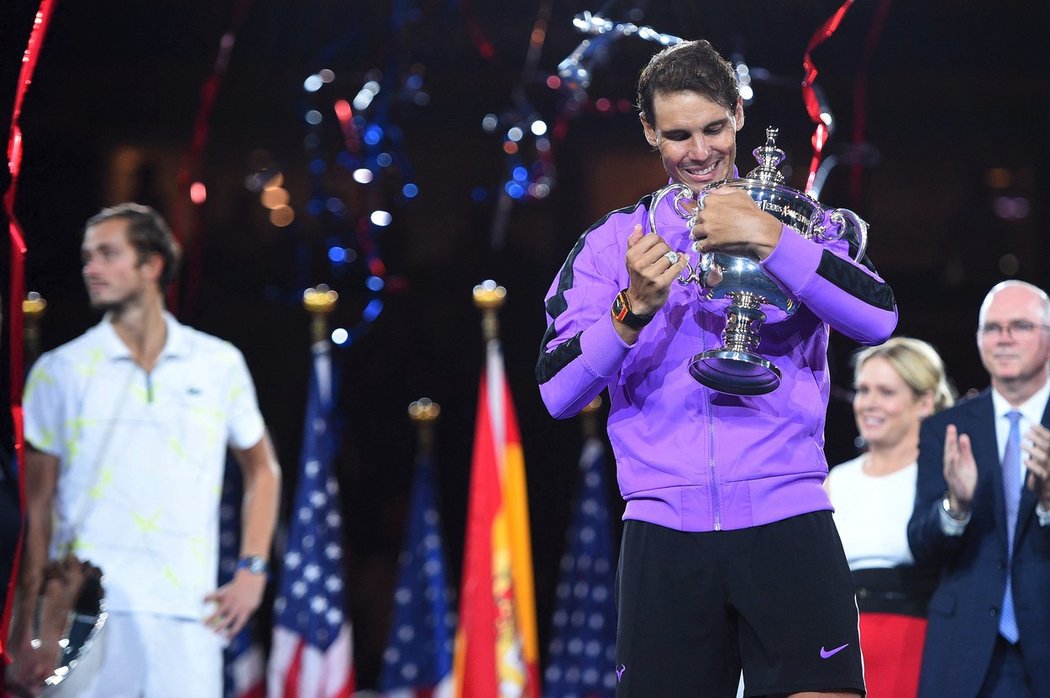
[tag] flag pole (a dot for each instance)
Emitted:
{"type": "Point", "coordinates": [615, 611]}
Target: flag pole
{"type": "Point", "coordinates": [418, 657]}
{"type": "Point", "coordinates": [496, 643]}
{"type": "Point", "coordinates": [319, 302]}
{"type": "Point", "coordinates": [489, 298]}
{"type": "Point", "coordinates": [424, 413]}
{"type": "Point", "coordinates": [312, 651]}
{"type": "Point", "coordinates": [33, 307]}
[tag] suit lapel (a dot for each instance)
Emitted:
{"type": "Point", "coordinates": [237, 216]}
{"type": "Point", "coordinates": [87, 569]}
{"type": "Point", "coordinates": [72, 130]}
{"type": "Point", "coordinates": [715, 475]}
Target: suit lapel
{"type": "Point", "coordinates": [1026, 510]}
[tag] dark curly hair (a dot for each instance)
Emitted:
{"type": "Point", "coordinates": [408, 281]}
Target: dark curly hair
{"type": "Point", "coordinates": [148, 233]}
{"type": "Point", "coordinates": [691, 66]}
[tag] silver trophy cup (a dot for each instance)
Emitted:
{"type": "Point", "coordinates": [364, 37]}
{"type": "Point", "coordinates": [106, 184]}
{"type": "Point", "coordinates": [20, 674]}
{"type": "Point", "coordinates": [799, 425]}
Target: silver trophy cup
{"type": "Point", "coordinates": [737, 367]}
{"type": "Point", "coordinates": [70, 613]}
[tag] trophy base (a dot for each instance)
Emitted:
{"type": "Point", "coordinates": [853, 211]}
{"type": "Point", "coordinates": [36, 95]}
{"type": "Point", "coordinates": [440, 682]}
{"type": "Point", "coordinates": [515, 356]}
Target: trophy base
{"type": "Point", "coordinates": [735, 372]}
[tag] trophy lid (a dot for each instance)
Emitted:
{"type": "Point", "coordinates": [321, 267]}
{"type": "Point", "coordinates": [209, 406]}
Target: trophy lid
{"type": "Point", "coordinates": [769, 157]}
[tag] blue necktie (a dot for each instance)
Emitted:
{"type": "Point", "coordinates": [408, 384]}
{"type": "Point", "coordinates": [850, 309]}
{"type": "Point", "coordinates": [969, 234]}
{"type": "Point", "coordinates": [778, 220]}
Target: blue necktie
{"type": "Point", "coordinates": [1012, 496]}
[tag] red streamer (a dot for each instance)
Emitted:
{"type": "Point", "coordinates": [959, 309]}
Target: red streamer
{"type": "Point", "coordinates": [16, 289]}
{"type": "Point", "coordinates": [17, 285]}
{"type": "Point", "coordinates": [482, 43]}
{"type": "Point", "coordinates": [185, 230]}
{"type": "Point", "coordinates": [809, 95]}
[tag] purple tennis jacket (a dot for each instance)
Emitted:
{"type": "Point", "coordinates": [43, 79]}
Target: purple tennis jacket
{"type": "Point", "coordinates": [687, 457]}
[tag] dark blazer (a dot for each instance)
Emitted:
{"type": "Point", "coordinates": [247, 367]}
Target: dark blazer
{"type": "Point", "coordinates": [964, 610]}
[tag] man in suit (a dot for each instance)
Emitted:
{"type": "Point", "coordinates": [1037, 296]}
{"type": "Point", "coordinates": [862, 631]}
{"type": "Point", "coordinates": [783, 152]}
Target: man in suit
{"type": "Point", "coordinates": [982, 513]}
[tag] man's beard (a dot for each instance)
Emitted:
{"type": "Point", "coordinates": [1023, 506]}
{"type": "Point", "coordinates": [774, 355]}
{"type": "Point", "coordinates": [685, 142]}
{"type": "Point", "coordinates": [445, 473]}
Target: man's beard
{"type": "Point", "coordinates": [111, 305]}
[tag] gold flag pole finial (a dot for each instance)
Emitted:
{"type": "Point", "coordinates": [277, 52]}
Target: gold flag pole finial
{"type": "Point", "coordinates": [489, 297]}
{"type": "Point", "coordinates": [424, 412]}
{"type": "Point", "coordinates": [319, 301]}
{"type": "Point", "coordinates": [33, 307]}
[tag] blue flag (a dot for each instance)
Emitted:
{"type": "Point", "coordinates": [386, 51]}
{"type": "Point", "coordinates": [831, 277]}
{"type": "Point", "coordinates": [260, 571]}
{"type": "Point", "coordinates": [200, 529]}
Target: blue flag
{"type": "Point", "coordinates": [312, 651]}
{"type": "Point", "coordinates": [582, 652]}
{"type": "Point", "coordinates": [417, 662]}
{"type": "Point", "coordinates": [243, 665]}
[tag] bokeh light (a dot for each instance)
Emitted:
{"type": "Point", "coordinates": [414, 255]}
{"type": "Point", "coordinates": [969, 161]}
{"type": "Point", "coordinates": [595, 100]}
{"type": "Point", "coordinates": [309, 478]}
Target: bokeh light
{"type": "Point", "coordinates": [372, 310]}
{"type": "Point", "coordinates": [282, 216]}
{"type": "Point", "coordinates": [274, 197]}
{"type": "Point", "coordinates": [198, 193]}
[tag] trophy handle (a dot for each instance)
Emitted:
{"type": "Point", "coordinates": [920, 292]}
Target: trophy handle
{"type": "Point", "coordinates": [848, 221]}
{"type": "Point", "coordinates": [681, 193]}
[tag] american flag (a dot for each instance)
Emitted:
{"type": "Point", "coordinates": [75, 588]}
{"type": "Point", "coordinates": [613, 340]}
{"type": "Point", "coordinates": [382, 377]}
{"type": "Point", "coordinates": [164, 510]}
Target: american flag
{"type": "Point", "coordinates": [417, 662]}
{"type": "Point", "coordinates": [312, 651]}
{"type": "Point", "coordinates": [243, 664]}
{"type": "Point", "coordinates": [581, 656]}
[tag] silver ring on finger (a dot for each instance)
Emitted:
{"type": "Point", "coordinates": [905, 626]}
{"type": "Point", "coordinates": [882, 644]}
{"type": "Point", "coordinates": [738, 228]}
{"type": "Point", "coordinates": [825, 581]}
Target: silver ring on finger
{"type": "Point", "coordinates": [672, 257]}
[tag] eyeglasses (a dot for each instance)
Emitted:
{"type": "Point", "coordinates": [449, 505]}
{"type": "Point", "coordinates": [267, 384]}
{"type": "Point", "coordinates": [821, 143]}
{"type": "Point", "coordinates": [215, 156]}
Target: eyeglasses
{"type": "Point", "coordinates": [1016, 328]}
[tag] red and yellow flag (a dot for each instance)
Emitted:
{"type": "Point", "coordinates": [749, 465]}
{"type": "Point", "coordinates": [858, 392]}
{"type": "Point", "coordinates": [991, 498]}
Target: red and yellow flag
{"type": "Point", "coordinates": [496, 646]}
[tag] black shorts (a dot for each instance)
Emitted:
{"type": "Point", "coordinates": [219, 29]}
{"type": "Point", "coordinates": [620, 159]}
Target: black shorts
{"type": "Point", "coordinates": [775, 599]}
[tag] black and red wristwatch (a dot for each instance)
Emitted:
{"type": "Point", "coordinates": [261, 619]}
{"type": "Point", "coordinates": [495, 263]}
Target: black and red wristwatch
{"type": "Point", "coordinates": [621, 310]}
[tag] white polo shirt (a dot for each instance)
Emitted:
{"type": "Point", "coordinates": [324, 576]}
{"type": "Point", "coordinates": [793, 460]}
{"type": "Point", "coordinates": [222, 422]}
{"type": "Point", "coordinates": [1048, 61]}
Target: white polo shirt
{"type": "Point", "coordinates": [141, 459]}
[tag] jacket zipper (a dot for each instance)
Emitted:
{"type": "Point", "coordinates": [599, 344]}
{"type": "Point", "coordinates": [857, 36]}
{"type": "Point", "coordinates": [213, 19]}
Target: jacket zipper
{"type": "Point", "coordinates": [716, 504]}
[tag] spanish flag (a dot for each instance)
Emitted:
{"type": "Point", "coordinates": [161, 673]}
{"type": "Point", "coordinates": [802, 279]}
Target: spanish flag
{"type": "Point", "coordinates": [496, 646]}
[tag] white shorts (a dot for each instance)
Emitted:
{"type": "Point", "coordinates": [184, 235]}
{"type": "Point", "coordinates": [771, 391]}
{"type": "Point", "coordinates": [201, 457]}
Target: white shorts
{"type": "Point", "coordinates": [147, 656]}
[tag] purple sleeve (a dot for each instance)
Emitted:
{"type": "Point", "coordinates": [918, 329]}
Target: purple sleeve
{"type": "Point", "coordinates": [581, 351]}
{"type": "Point", "coordinates": [847, 295]}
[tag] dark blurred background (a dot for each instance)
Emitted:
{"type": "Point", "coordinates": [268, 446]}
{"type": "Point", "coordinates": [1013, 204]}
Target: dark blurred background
{"type": "Point", "coordinates": [948, 99]}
